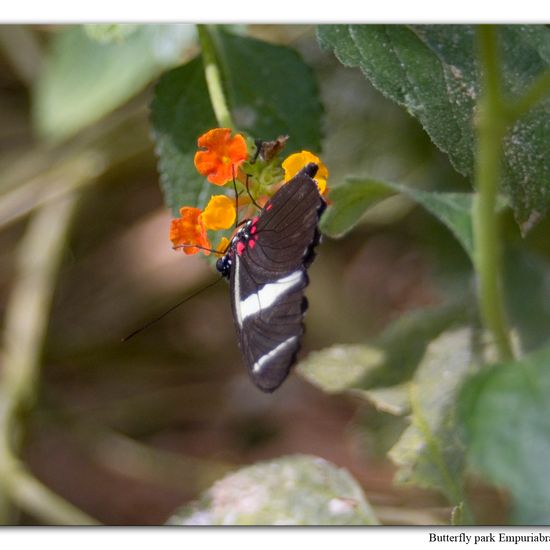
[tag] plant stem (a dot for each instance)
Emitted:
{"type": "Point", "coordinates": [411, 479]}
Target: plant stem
{"type": "Point", "coordinates": [213, 78]}
{"type": "Point", "coordinates": [22, 49]}
{"type": "Point", "coordinates": [133, 459]}
{"type": "Point", "coordinates": [33, 496]}
{"type": "Point", "coordinates": [43, 176]}
{"type": "Point", "coordinates": [27, 312]}
{"type": "Point", "coordinates": [491, 130]}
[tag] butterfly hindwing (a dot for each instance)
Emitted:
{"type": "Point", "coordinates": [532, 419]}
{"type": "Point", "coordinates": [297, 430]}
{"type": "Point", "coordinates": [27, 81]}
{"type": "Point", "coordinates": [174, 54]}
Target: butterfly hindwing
{"type": "Point", "coordinates": [268, 317]}
{"type": "Point", "coordinates": [268, 277]}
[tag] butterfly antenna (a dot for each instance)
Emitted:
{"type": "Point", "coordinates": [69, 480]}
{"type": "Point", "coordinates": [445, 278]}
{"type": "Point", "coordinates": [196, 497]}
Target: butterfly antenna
{"type": "Point", "coordinates": [236, 196]}
{"type": "Point", "coordinates": [177, 246]}
{"type": "Point", "coordinates": [132, 334]}
{"type": "Point", "coordinates": [250, 195]}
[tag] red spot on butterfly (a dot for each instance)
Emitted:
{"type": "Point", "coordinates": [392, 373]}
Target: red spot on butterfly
{"type": "Point", "coordinates": [253, 230]}
{"type": "Point", "coordinates": [240, 247]}
{"type": "Point", "coordinates": [269, 207]}
{"type": "Point", "coordinates": [251, 243]}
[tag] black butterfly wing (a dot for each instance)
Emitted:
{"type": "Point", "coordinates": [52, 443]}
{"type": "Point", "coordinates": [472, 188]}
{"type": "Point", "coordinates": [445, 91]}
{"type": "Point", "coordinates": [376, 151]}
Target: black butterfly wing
{"type": "Point", "coordinates": [288, 226]}
{"type": "Point", "coordinates": [268, 280]}
{"type": "Point", "coordinates": [270, 337]}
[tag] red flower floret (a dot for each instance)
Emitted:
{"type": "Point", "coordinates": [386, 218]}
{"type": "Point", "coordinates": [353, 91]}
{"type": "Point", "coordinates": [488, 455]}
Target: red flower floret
{"type": "Point", "coordinates": [189, 230]}
{"type": "Point", "coordinates": [222, 156]}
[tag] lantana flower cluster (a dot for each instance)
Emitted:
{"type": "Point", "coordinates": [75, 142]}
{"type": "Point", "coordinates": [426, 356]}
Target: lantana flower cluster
{"type": "Point", "coordinates": [226, 160]}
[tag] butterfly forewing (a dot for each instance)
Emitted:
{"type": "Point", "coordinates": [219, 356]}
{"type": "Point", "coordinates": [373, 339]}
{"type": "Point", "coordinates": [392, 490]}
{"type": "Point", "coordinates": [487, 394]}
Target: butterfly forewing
{"type": "Point", "coordinates": [287, 228]}
{"type": "Point", "coordinates": [268, 277]}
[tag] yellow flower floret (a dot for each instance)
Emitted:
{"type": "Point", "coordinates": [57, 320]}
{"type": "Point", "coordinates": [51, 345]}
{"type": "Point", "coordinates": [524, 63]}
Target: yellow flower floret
{"type": "Point", "coordinates": [219, 213]}
{"type": "Point", "coordinates": [295, 162]}
{"type": "Point", "coordinates": [222, 247]}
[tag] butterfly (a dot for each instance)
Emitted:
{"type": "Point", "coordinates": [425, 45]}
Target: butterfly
{"type": "Point", "coordinates": [266, 264]}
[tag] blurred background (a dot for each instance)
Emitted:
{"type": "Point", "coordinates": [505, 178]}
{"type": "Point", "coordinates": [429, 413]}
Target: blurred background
{"type": "Point", "coordinates": [128, 432]}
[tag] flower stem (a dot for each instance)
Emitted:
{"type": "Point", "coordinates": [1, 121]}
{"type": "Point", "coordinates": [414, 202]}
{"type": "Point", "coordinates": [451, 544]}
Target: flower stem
{"type": "Point", "coordinates": [213, 78]}
{"type": "Point", "coordinates": [491, 130]}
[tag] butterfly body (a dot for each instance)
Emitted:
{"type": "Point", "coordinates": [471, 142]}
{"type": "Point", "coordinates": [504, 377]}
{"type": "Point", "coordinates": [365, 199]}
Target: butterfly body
{"type": "Point", "coordinates": [266, 265]}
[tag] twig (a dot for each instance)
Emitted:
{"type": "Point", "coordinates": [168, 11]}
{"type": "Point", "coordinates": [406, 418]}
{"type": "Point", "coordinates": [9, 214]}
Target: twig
{"type": "Point", "coordinates": [23, 51]}
{"type": "Point", "coordinates": [38, 259]}
{"type": "Point", "coordinates": [22, 191]}
{"type": "Point", "coordinates": [131, 458]}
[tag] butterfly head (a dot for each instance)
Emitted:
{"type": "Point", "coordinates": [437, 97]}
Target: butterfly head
{"type": "Point", "coordinates": [223, 265]}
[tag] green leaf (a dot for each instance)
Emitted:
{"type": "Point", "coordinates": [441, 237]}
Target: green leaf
{"type": "Point", "coordinates": [353, 198]}
{"type": "Point", "coordinates": [406, 340]}
{"type": "Point", "coordinates": [505, 410]}
{"type": "Point", "coordinates": [432, 71]}
{"type": "Point", "coordinates": [85, 79]}
{"type": "Point", "coordinates": [293, 490]}
{"type": "Point", "coordinates": [430, 453]}
{"type": "Point", "coordinates": [350, 201]}
{"type": "Point", "coordinates": [457, 514]}
{"type": "Point", "coordinates": [181, 112]}
{"type": "Point", "coordinates": [378, 372]}
{"type": "Point", "coordinates": [392, 399]}
{"type": "Point", "coordinates": [389, 360]}
{"type": "Point", "coordinates": [340, 367]}
{"type": "Point", "coordinates": [526, 295]}
{"type": "Point", "coordinates": [110, 32]}
{"type": "Point", "coordinates": [270, 92]}
{"type": "Point", "coordinates": [353, 368]}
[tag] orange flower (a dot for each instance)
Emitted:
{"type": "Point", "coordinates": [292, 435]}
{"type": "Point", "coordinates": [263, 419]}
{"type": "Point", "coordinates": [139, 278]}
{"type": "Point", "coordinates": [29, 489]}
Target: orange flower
{"type": "Point", "coordinates": [189, 230]}
{"type": "Point", "coordinates": [295, 162]}
{"type": "Point", "coordinates": [222, 153]}
{"type": "Point", "coordinates": [219, 213]}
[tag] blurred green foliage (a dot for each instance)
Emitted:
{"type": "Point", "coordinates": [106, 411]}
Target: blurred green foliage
{"type": "Point", "coordinates": [295, 490]}
{"type": "Point", "coordinates": [88, 73]}
{"type": "Point", "coordinates": [506, 412]}
{"type": "Point", "coordinates": [403, 361]}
